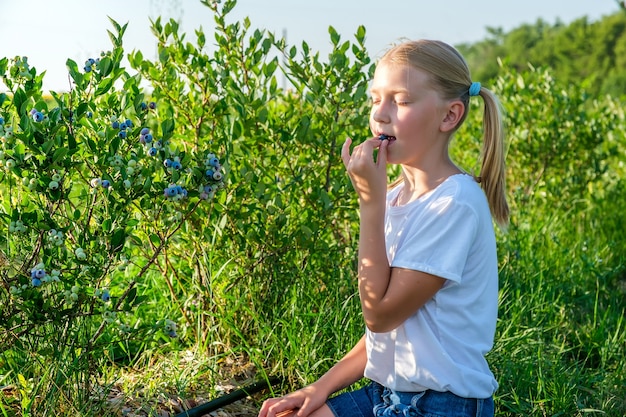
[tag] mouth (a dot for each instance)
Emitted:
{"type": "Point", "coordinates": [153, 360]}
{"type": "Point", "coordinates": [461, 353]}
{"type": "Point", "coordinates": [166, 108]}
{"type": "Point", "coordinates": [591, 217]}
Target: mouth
{"type": "Point", "coordinates": [383, 136]}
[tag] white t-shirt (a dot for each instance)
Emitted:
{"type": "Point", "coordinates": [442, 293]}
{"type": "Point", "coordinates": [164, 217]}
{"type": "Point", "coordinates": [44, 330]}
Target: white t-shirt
{"type": "Point", "coordinates": [447, 232]}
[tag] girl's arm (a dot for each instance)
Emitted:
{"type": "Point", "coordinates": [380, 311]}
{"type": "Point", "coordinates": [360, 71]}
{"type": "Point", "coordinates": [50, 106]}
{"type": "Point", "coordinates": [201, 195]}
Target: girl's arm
{"type": "Point", "coordinates": [388, 295]}
{"type": "Point", "coordinates": [310, 398]}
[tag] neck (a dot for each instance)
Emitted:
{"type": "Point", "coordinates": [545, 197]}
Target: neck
{"type": "Point", "coordinates": [418, 182]}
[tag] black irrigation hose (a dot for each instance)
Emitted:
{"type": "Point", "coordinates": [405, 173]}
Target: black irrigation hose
{"type": "Point", "coordinates": [229, 398]}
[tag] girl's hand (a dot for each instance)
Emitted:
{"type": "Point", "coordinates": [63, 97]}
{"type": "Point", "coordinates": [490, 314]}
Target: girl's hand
{"type": "Point", "coordinates": [368, 176]}
{"type": "Point", "coordinates": [301, 403]}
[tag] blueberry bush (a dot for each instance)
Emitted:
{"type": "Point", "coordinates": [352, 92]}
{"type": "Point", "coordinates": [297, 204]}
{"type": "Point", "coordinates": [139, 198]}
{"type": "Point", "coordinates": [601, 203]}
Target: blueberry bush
{"type": "Point", "coordinates": [197, 201]}
{"type": "Point", "coordinates": [95, 187]}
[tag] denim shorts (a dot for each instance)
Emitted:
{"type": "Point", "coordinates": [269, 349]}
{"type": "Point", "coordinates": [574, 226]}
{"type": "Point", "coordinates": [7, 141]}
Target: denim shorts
{"type": "Point", "coordinates": [374, 400]}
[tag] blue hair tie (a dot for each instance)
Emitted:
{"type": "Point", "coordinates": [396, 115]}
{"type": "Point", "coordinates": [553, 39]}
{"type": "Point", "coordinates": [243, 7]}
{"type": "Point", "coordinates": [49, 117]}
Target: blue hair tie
{"type": "Point", "coordinates": [474, 89]}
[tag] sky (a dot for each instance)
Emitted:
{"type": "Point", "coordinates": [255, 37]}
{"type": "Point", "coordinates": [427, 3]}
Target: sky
{"type": "Point", "coordinates": [49, 32]}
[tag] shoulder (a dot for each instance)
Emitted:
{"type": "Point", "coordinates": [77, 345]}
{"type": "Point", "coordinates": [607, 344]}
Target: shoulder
{"type": "Point", "coordinates": [463, 193]}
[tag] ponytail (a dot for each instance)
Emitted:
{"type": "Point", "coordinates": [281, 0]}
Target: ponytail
{"type": "Point", "coordinates": [493, 171]}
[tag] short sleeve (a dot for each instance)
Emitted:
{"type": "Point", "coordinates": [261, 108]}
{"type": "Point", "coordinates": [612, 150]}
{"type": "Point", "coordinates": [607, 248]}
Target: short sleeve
{"type": "Point", "coordinates": [438, 238]}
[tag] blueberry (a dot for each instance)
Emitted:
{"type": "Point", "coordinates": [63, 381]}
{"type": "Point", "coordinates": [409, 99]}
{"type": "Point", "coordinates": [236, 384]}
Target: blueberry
{"type": "Point", "coordinates": [143, 106]}
{"type": "Point", "coordinates": [40, 273]}
{"type": "Point", "coordinates": [122, 134]}
{"type": "Point", "coordinates": [106, 183]}
{"type": "Point", "coordinates": [87, 68]}
{"type": "Point", "coordinates": [152, 151]}
{"type": "Point", "coordinates": [144, 131]}
{"type": "Point", "coordinates": [105, 295]}
{"type": "Point", "coordinates": [214, 162]}
{"type": "Point", "coordinates": [171, 191]}
{"type": "Point", "coordinates": [123, 126]}
{"type": "Point", "coordinates": [167, 163]}
{"type": "Point", "coordinates": [147, 138]}
{"type": "Point", "coordinates": [209, 173]}
{"type": "Point", "coordinates": [115, 124]}
{"type": "Point", "coordinates": [152, 105]}
{"type": "Point", "coordinates": [1, 121]}
{"type": "Point", "coordinates": [38, 116]}
{"type": "Point", "coordinates": [33, 111]}
{"type": "Point", "coordinates": [36, 282]}
{"type": "Point", "coordinates": [128, 123]}
{"type": "Point", "coordinates": [383, 136]}
{"type": "Point", "coordinates": [176, 165]}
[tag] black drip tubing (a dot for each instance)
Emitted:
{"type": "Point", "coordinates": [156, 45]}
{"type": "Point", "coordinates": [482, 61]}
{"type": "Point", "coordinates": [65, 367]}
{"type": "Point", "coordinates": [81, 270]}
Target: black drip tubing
{"type": "Point", "coordinates": [229, 398]}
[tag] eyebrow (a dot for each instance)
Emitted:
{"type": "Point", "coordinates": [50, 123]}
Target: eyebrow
{"type": "Point", "coordinates": [395, 91]}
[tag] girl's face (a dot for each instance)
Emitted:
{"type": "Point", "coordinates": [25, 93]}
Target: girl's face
{"type": "Point", "coordinates": [405, 107]}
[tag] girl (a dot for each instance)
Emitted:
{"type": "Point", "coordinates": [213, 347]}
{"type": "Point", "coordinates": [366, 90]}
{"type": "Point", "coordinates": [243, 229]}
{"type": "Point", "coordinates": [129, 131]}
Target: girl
{"type": "Point", "coordinates": [427, 271]}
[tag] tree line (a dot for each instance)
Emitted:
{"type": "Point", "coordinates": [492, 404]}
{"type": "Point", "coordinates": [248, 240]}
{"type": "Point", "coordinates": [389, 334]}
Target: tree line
{"type": "Point", "coordinates": [591, 54]}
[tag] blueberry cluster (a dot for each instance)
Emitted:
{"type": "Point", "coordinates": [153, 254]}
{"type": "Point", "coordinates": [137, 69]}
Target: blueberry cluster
{"type": "Point", "coordinates": [175, 192]}
{"type": "Point", "coordinates": [37, 115]}
{"type": "Point", "coordinates": [80, 254]}
{"type": "Point", "coordinates": [17, 227]}
{"type": "Point", "coordinates": [90, 64]}
{"type": "Point", "coordinates": [55, 237]}
{"type": "Point", "coordinates": [6, 131]}
{"type": "Point", "coordinates": [7, 162]}
{"type": "Point", "coordinates": [213, 174]}
{"type": "Point", "coordinates": [121, 126]}
{"type": "Point", "coordinates": [103, 294]}
{"type": "Point", "coordinates": [21, 68]}
{"type": "Point", "coordinates": [151, 105]}
{"type": "Point", "coordinates": [170, 328]}
{"type": "Point", "coordinates": [38, 275]}
{"type": "Point", "coordinates": [55, 182]}
{"type": "Point", "coordinates": [72, 294]}
{"type": "Point", "coordinates": [173, 163]}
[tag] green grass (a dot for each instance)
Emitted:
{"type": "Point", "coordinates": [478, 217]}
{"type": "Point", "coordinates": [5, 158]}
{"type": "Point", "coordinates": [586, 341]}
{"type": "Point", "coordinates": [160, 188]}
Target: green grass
{"type": "Point", "coordinates": [559, 347]}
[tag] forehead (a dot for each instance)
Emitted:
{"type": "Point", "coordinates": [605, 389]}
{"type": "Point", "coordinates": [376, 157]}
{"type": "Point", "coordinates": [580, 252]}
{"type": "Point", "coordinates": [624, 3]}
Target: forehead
{"type": "Point", "coordinates": [398, 77]}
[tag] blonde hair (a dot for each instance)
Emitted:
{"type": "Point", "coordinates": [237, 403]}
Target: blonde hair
{"type": "Point", "coordinates": [450, 75]}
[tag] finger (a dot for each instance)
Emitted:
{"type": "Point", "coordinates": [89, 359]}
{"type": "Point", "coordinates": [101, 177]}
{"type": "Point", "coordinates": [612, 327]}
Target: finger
{"type": "Point", "coordinates": [345, 152]}
{"type": "Point", "coordinates": [283, 406]}
{"type": "Point", "coordinates": [382, 153]}
{"type": "Point", "coordinates": [263, 410]}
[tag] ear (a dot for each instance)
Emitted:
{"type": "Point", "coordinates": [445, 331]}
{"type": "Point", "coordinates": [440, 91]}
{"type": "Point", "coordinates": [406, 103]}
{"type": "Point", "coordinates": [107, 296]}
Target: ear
{"type": "Point", "coordinates": [453, 116]}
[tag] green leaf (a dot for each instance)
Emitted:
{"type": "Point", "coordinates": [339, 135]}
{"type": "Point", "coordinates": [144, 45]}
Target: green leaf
{"type": "Point", "coordinates": [59, 154]}
{"type": "Point", "coordinates": [360, 34]}
{"type": "Point", "coordinates": [19, 99]}
{"type": "Point", "coordinates": [334, 35]}
{"type": "Point", "coordinates": [76, 75]}
{"type": "Point", "coordinates": [167, 127]}
{"type": "Point", "coordinates": [104, 86]}
{"type": "Point", "coordinates": [105, 66]}
{"type": "Point", "coordinates": [118, 239]}
{"type": "Point", "coordinates": [155, 239]}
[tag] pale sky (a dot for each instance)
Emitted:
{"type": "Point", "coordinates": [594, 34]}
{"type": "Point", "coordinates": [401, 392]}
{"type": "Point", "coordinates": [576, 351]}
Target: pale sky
{"type": "Point", "coordinates": [50, 31]}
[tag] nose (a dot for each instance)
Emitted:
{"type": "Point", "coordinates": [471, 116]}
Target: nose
{"type": "Point", "coordinates": [379, 114]}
